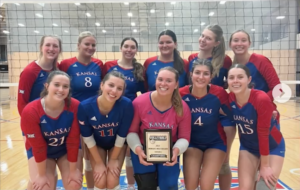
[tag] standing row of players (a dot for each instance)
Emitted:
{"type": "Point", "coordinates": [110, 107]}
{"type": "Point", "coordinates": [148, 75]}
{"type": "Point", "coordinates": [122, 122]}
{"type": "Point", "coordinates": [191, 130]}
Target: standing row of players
{"type": "Point", "coordinates": [100, 117]}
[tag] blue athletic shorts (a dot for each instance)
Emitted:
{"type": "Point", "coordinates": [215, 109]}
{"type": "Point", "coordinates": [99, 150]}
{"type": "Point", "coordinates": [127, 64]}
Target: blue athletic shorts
{"type": "Point", "coordinates": [203, 148]}
{"type": "Point", "coordinates": [278, 151]}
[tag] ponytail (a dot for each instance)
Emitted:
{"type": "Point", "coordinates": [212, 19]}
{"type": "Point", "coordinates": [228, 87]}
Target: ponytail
{"type": "Point", "coordinates": [178, 62]}
{"type": "Point", "coordinates": [138, 70]}
{"type": "Point", "coordinates": [218, 56]}
{"type": "Point", "coordinates": [177, 102]}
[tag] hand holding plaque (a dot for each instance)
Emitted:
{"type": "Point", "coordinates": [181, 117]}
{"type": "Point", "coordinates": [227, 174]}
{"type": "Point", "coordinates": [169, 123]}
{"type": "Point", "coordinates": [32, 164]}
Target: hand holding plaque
{"type": "Point", "coordinates": [158, 145]}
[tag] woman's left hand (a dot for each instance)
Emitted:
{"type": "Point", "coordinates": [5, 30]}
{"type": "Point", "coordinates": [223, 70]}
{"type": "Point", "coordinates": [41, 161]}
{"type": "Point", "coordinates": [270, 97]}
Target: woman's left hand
{"type": "Point", "coordinates": [113, 167]}
{"type": "Point", "coordinates": [174, 158]}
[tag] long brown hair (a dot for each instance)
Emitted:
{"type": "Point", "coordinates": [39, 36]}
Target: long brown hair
{"type": "Point", "coordinates": [60, 48]}
{"type": "Point", "coordinates": [218, 52]}
{"type": "Point", "coordinates": [176, 98]}
{"type": "Point", "coordinates": [49, 80]}
{"type": "Point", "coordinates": [138, 69]}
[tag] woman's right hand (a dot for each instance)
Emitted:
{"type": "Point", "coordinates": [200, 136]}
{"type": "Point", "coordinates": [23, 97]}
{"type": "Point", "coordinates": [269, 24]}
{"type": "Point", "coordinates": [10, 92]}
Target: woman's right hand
{"type": "Point", "coordinates": [99, 171]}
{"type": "Point", "coordinates": [140, 152]}
{"type": "Point", "coordinates": [40, 181]}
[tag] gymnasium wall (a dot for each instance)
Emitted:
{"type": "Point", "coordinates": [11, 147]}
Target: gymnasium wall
{"type": "Point", "coordinates": [271, 24]}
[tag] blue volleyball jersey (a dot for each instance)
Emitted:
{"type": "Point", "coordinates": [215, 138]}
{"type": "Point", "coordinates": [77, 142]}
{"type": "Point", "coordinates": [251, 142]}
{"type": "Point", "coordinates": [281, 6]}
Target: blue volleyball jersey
{"type": "Point", "coordinates": [257, 129]}
{"type": "Point", "coordinates": [85, 79]}
{"type": "Point", "coordinates": [51, 137]}
{"type": "Point", "coordinates": [132, 85]}
{"type": "Point", "coordinates": [153, 65]}
{"type": "Point", "coordinates": [206, 116]}
{"type": "Point", "coordinates": [105, 128]}
{"type": "Point", "coordinates": [31, 84]}
{"type": "Point", "coordinates": [217, 80]}
{"type": "Point", "coordinates": [264, 76]}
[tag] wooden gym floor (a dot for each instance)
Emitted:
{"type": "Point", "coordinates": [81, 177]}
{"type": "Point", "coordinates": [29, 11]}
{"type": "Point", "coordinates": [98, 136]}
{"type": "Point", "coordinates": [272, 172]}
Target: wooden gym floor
{"type": "Point", "coordinates": [13, 160]}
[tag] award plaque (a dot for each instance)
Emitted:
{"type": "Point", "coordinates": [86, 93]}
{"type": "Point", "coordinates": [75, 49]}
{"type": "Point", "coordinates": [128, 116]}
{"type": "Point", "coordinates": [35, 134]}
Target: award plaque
{"type": "Point", "coordinates": [158, 145]}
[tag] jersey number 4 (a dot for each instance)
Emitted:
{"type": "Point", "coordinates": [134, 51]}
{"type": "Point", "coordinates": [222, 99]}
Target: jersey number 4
{"type": "Point", "coordinates": [247, 130]}
{"type": "Point", "coordinates": [56, 141]}
{"type": "Point", "coordinates": [198, 121]}
{"type": "Point", "coordinates": [110, 133]}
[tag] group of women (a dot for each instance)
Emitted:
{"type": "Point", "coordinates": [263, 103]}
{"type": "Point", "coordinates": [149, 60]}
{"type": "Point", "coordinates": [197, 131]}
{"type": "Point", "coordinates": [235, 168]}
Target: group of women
{"type": "Point", "coordinates": [81, 108]}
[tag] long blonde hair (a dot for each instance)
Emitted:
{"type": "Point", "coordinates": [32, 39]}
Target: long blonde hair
{"type": "Point", "coordinates": [176, 98]}
{"type": "Point", "coordinates": [218, 52]}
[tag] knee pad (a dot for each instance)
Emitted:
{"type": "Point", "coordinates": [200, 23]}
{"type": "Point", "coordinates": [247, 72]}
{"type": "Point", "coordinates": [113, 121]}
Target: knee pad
{"type": "Point", "coordinates": [128, 161]}
{"type": "Point", "coordinates": [116, 188]}
{"type": "Point", "coordinates": [225, 169]}
{"type": "Point", "coordinates": [147, 181]}
{"type": "Point", "coordinates": [88, 166]}
{"type": "Point", "coordinates": [261, 185]}
{"type": "Point", "coordinates": [96, 188]}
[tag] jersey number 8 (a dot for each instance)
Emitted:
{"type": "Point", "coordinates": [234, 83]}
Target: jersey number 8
{"type": "Point", "coordinates": [88, 82]}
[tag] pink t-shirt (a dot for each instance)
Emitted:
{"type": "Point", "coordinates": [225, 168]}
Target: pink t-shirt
{"type": "Point", "coordinates": [146, 116]}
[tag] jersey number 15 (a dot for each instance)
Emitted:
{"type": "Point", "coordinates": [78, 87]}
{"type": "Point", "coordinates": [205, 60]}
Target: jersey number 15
{"type": "Point", "coordinates": [247, 130]}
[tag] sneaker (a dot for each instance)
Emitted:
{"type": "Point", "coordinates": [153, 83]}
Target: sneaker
{"type": "Point", "coordinates": [130, 188]}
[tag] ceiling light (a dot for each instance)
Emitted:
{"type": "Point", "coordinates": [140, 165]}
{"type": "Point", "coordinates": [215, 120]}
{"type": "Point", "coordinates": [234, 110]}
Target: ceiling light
{"type": "Point", "coordinates": [126, 3]}
{"type": "Point", "coordinates": [222, 2]}
{"type": "Point", "coordinates": [202, 23]}
{"type": "Point", "coordinates": [54, 24]}
{"type": "Point", "coordinates": [5, 31]}
{"type": "Point", "coordinates": [104, 31]}
{"type": "Point", "coordinates": [17, 4]}
{"type": "Point", "coordinates": [88, 14]}
{"type": "Point", "coordinates": [97, 24]}
{"type": "Point", "coordinates": [20, 24]}
{"type": "Point", "coordinates": [169, 14]}
{"type": "Point", "coordinates": [152, 11]}
{"type": "Point", "coordinates": [66, 31]}
{"type": "Point", "coordinates": [211, 13]}
{"type": "Point", "coordinates": [42, 4]}
{"type": "Point", "coordinates": [129, 14]}
{"type": "Point", "coordinates": [77, 4]}
{"type": "Point", "coordinates": [135, 30]}
{"type": "Point", "coordinates": [167, 24]}
{"type": "Point", "coordinates": [132, 24]}
{"type": "Point", "coordinates": [38, 15]}
{"type": "Point", "coordinates": [0, 16]}
{"type": "Point", "coordinates": [36, 31]}
{"type": "Point", "coordinates": [196, 30]}
{"type": "Point", "coordinates": [253, 29]}
{"type": "Point", "coordinates": [280, 17]}
{"type": "Point", "coordinates": [1, 5]}
{"type": "Point", "coordinates": [173, 3]}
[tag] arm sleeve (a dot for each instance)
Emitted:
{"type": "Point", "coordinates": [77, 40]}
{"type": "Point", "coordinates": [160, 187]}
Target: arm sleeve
{"type": "Point", "coordinates": [135, 124]}
{"type": "Point", "coordinates": [224, 99]}
{"type": "Point", "coordinates": [184, 126]}
{"type": "Point", "coordinates": [26, 82]}
{"type": "Point", "coordinates": [73, 138]}
{"type": "Point", "coordinates": [63, 66]}
{"type": "Point", "coordinates": [227, 64]}
{"type": "Point", "coordinates": [85, 129]}
{"type": "Point", "coordinates": [126, 120]}
{"type": "Point", "coordinates": [264, 108]}
{"type": "Point", "coordinates": [186, 69]}
{"type": "Point", "coordinates": [105, 68]}
{"type": "Point", "coordinates": [30, 124]}
{"type": "Point", "coordinates": [268, 72]}
{"type": "Point", "coordinates": [141, 87]}
{"type": "Point", "coordinates": [147, 62]}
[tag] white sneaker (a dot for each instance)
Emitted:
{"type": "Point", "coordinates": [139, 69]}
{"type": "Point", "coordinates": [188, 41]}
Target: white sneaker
{"type": "Point", "coordinates": [130, 188]}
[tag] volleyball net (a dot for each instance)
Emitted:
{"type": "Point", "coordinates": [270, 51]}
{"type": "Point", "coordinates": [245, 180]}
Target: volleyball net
{"type": "Point", "coordinates": [271, 24]}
